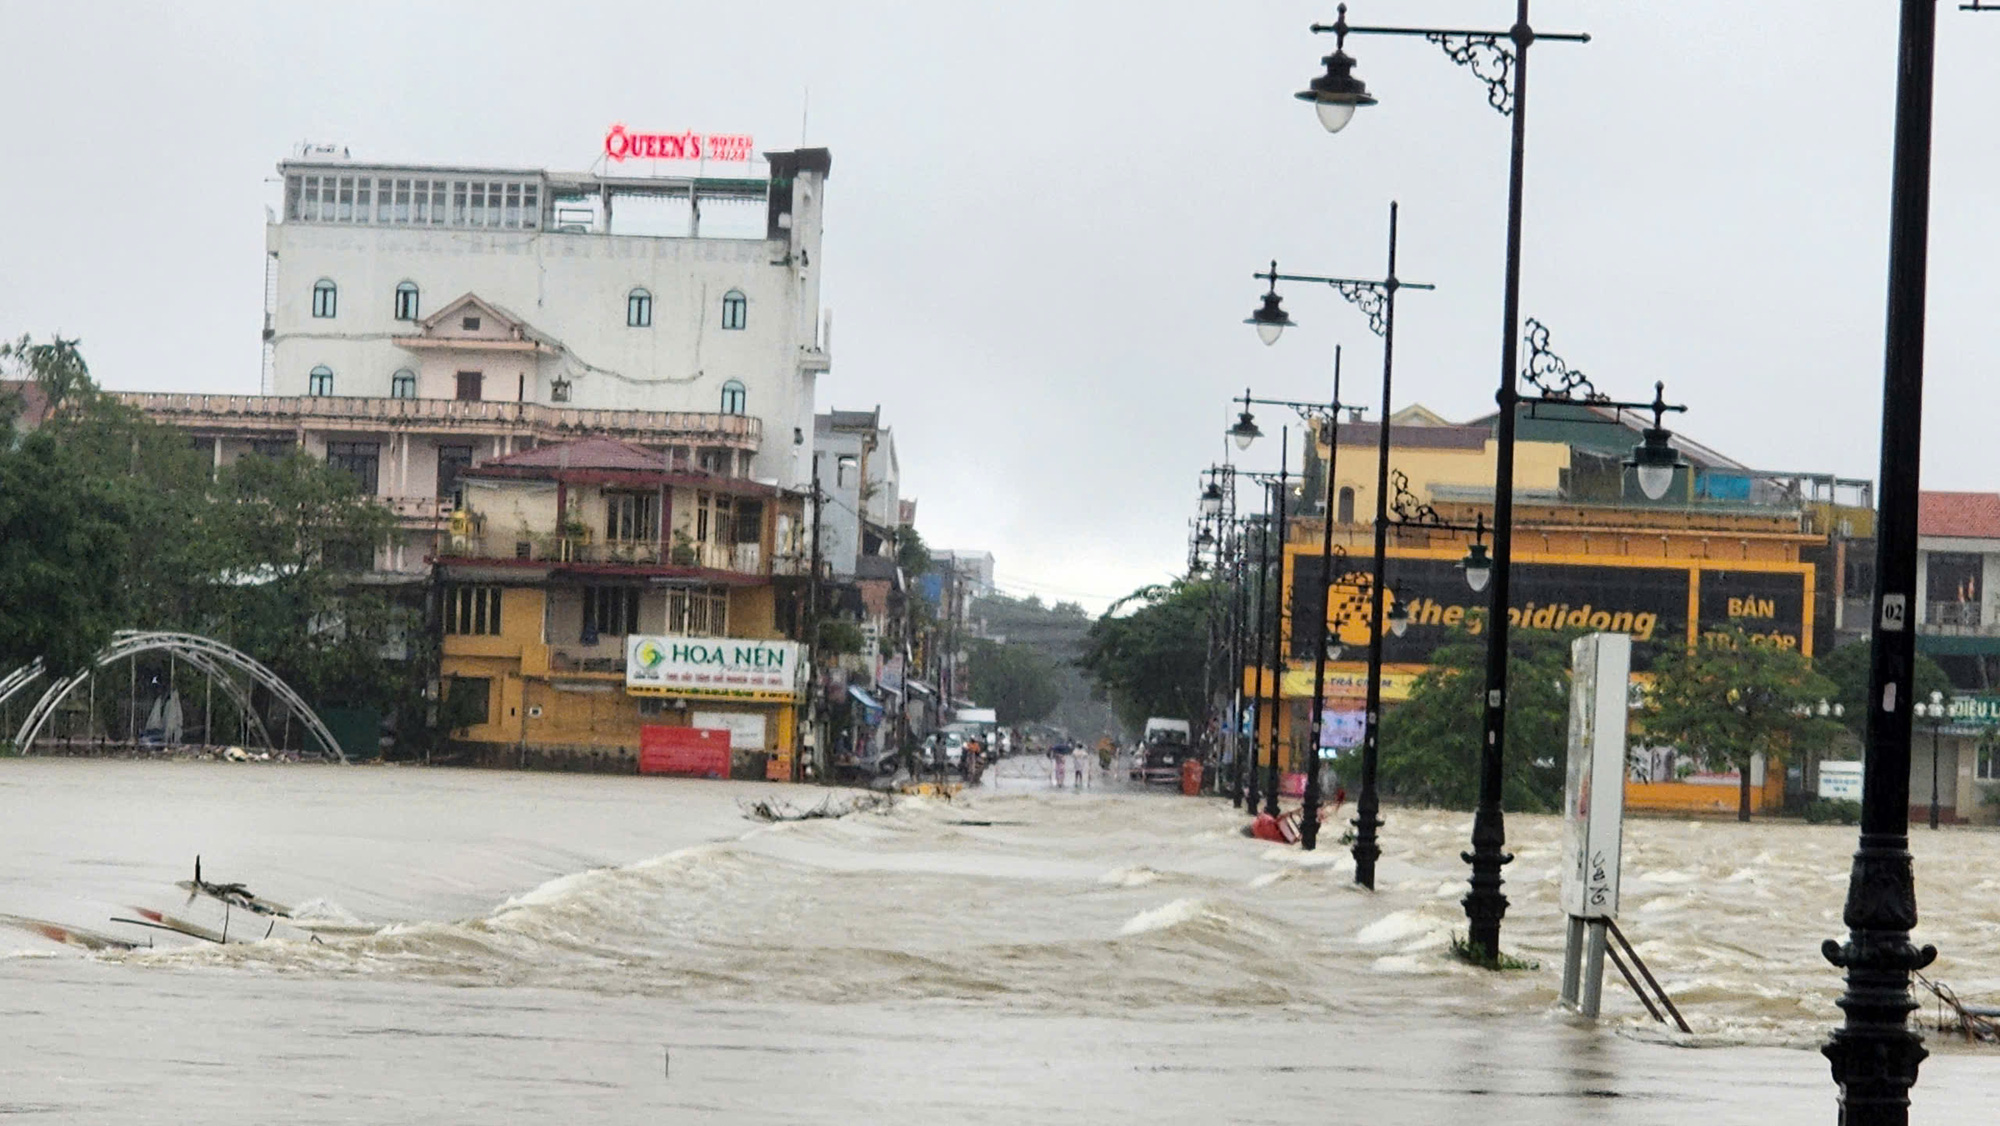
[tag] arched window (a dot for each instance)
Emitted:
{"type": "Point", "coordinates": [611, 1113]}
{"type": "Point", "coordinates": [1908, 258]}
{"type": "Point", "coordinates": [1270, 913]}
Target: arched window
{"type": "Point", "coordinates": [733, 397]}
{"type": "Point", "coordinates": [324, 298]}
{"type": "Point", "coordinates": [735, 309]}
{"type": "Point", "coordinates": [403, 385]}
{"type": "Point", "coordinates": [1346, 509]}
{"type": "Point", "coordinates": [406, 301]}
{"type": "Point", "coordinates": [320, 382]}
{"type": "Point", "coordinates": [639, 309]}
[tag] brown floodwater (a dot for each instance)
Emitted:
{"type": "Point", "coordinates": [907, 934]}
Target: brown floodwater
{"type": "Point", "coordinates": [523, 947]}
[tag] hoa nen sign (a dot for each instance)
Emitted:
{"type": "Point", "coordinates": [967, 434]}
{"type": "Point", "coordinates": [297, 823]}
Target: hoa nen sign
{"type": "Point", "coordinates": [711, 667]}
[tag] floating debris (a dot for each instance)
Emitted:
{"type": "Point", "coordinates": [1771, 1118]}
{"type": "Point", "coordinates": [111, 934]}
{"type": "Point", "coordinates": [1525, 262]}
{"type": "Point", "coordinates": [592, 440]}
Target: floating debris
{"type": "Point", "coordinates": [1971, 1022]}
{"type": "Point", "coordinates": [773, 809]}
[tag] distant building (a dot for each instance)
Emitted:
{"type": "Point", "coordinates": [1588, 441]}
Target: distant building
{"type": "Point", "coordinates": [422, 320]}
{"type": "Point", "coordinates": [854, 458]}
{"type": "Point", "coordinates": [975, 568]}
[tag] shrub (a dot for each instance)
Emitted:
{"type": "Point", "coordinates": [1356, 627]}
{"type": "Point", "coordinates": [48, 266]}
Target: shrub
{"type": "Point", "coordinates": [1844, 811]}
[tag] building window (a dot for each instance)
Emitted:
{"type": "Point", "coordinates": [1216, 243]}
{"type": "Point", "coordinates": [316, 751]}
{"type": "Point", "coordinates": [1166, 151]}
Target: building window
{"type": "Point", "coordinates": [274, 448]}
{"type": "Point", "coordinates": [1989, 762]}
{"type": "Point", "coordinates": [406, 301]}
{"type": "Point", "coordinates": [609, 611]}
{"type": "Point", "coordinates": [697, 612]}
{"type": "Point", "coordinates": [472, 611]}
{"type": "Point", "coordinates": [632, 517]}
{"type": "Point", "coordinates": [733, 397]}
{"type": "Point", "coordinates": [360, 459]}
{"type": "Point", "coordinates": [735, 309]}
{"type": "Point", "coordinates": [471, 384]}
{"type": "Point", "coordinates": [842, 466]}
{"type": "Point", "coordinates": [639, 309]}
{"type": "Point", "coordinates": [453, 461]}
{"type": "Point", "coordinates": [1346, 505]}
{"type": "Point", "coordinates": [325, 298]}
{"type": "Point", "coordinates": [403, 384]}
{"type": "Point", "coordinates": [320, 381]}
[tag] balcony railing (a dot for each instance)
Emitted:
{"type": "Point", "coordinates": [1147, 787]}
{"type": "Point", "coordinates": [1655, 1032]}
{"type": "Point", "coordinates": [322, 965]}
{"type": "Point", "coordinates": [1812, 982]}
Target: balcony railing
{"type": "Point", "coordinates": [742, 558]}
{"type": "Point", "coordinates": [430, 509]}
{"type": "Point", "coordinates": [1961, 615]}
{"type": "Point", "coordinates": [262, 412]}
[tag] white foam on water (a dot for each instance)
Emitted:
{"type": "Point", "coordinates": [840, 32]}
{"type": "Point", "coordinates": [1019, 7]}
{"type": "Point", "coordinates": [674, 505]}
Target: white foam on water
{"type": "Point", "coordinates": [1394, 927]}
{"type": "Point", "coordinates": [1132, 877]}
{"type": "Point", "coordinates": [1170, 915]}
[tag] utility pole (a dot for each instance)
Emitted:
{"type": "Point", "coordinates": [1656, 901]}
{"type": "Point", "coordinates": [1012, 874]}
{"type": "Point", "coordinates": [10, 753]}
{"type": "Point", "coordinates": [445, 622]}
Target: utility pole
{"type": "Point", "coordinates": [811, 722]}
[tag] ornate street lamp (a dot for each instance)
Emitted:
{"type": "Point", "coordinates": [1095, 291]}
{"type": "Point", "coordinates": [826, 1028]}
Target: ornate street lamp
{"type": "Point", "coordinates": [1245, 431]}
{"type": "Point", "coordinates": [1269, 317]}
{"type": "Point", "coordinates": [1336, 94]}
{"type": "Point", "coordinates": [1376, 299]}
{"type": "Point", "coordinates": [1654, 459]}
{"type": "Point", "coordinates": [1211, 499]}
{"type": "Point", "coordinates": [1504, 70]}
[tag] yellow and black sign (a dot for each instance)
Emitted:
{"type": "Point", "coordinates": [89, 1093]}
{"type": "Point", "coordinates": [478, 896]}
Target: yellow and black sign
{"type": "Point", "coordinates": [1658, 602]}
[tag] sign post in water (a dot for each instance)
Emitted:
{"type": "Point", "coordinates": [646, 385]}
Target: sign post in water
{"type": "Point", "coordinates": [1593, 809]}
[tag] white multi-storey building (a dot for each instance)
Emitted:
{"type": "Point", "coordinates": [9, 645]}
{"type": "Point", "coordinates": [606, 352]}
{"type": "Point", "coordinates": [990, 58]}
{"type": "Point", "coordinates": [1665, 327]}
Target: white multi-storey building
{"type": "Point", "coordinates": [423, 318]}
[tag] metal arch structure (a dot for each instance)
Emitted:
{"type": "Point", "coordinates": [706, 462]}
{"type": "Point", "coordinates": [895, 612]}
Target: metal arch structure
{"type": "Point", "coordinates": [19, 679]}
{"type": "Point", "coordinates": [205, 653]}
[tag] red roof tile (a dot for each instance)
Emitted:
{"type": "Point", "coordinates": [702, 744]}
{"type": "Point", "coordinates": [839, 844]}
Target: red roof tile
{"type": "Point", "coordinates": [1965, 515]}
{"type": "Point", "coordinates": [585, 453]}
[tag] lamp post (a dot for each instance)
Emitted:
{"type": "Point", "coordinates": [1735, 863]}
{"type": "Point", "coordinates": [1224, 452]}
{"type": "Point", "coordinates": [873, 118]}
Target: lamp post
{"type": "Point", "coordinates": [1935, 711]}
{"type": "Point", "coordinates": [1376, 299]}
{"type": "Point", "coordinates": [1654, 463]}
{"type": "Point", "coordinates": [1223, 540]}
{"type": "Point", "coordinates": [1329, 415]}
{"type": "Point", "coordinates": [1874, 1055]}
{"type": "Point", "coordinates": [1270, 617]}
{"type": "Point", "coordinates": [1504, 70]}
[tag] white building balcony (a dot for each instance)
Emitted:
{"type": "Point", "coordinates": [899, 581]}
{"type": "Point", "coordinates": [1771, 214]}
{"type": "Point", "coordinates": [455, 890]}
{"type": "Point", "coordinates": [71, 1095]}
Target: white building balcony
{"type": "Point", "coordinates": [264, 414]}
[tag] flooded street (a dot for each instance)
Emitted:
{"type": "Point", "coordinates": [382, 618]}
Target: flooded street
{"type": "Point", "coordinates": [635, 950]}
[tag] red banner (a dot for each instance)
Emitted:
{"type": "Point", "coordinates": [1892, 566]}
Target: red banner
{"type": "Point", "coordinates": [700, 752]}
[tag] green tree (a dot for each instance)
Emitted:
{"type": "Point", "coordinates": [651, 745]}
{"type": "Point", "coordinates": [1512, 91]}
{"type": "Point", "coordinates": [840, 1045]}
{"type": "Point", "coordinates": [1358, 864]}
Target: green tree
{"type": "Point", "coordinates": [912, 555]}
{"type": "Point", "coordinates": [1017, 682]}
{"type": "Point", "coordinates": [1430, 747]}
{"type": "Point", "coordinates": [1731, 699]}
{"type": "Point", "coordinates": [62, 535]}
{"type": "Point", "coordinates": [1150, 659]}
{"type": "Point", "coordinates": [301, 538]}
{"type": "Point", "coordinates": [1847, 668]}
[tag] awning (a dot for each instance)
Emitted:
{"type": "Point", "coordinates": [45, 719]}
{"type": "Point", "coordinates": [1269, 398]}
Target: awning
{"type": "Point", "coordinates": [1956, 645]}
{"type": "Point", "coordinates": [863, 698]}
{"type": "Point", "coordinates": [919, 688]}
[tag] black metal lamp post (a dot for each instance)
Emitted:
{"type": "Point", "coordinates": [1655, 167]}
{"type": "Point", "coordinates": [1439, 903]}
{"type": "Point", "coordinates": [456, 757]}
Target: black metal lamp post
{"type": "Point", "coordinates": [1874, 1055]}
{"type": "Point", "coordinates": [1504, 69]}
{"type": "Point", "coordinates": [1655, 462]}
{"type": "Point", "coordinates": [1270, 618]}
{"type": "Point", "coordinates": [1329, 416]}
{"type": "Point", "coordinates": [1377, 300]}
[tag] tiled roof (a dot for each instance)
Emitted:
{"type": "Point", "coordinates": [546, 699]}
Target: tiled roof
{"type": "Point", "coordinates": [1964, 515]}
{"type": "Point", "coordinates": [585, 453]}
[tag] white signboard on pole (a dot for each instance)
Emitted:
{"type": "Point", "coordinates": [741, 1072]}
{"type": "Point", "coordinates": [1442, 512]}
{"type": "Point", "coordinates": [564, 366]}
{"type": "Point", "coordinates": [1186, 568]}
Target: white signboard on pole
{"type": "Point", "coordinates": [1594, 792]}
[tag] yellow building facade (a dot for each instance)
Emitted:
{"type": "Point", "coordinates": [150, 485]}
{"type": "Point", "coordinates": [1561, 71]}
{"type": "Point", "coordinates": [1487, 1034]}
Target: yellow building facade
{"type": "Point", "coordinates": [563, 561]}
{"type": "Point", "coordinates": [1665, 574]}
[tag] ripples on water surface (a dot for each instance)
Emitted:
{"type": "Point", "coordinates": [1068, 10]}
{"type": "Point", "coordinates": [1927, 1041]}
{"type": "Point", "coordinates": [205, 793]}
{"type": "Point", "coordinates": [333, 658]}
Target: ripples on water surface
{"type": "Point", "coordinates": [1023, 955]}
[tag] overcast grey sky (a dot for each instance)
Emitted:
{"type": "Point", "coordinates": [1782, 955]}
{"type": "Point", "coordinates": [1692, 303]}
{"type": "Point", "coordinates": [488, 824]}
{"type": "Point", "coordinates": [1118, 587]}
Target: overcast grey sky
{"type": "Point", "coordinates": [1043, 215]}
